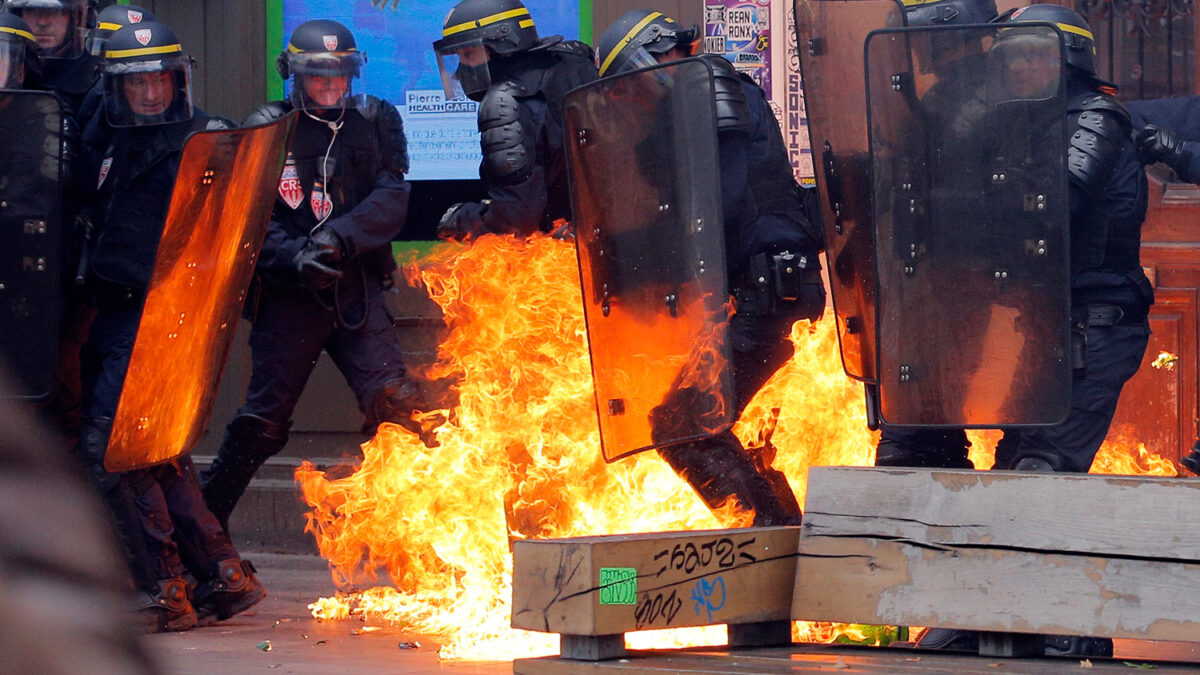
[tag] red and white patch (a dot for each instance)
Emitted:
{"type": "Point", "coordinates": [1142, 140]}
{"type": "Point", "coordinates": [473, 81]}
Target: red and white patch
{"type": "Point", "coordinates": [321, 205]}
{"type": "Point", "coordinates": [133, 15]}
{"type": "Point", "coordinates": [289, 187]}
{"type": "Point", "coordinates": [330, 42]}
{"type": "Point", "coordinates": [104, 167]}
{"type": "Point", "coordinates": [1017, 13]}
{"type": "Point", "coordinates": [143, 35]}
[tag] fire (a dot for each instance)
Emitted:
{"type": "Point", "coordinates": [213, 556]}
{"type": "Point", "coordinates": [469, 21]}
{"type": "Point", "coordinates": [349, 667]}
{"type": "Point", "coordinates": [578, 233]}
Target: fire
{"type": "Point", "coordinates": [520, 457]}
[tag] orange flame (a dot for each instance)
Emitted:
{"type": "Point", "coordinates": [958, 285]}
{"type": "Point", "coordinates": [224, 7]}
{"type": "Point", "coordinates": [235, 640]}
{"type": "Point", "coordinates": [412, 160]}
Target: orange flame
{"type": "Point", "coordinates": [520, 457]}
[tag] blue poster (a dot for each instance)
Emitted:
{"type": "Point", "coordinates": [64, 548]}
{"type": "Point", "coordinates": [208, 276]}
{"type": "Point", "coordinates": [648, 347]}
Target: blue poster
{"type": "Point", "coordinates": [401, 68]}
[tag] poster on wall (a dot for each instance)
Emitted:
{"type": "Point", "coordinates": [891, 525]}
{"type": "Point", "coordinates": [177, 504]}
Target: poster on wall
{"type": "Point", "coordinates": [789, 92]}
{"type": "Point", "coordinates": [740, 30]}
{"type": "Point", "coordinates": [443, 142]}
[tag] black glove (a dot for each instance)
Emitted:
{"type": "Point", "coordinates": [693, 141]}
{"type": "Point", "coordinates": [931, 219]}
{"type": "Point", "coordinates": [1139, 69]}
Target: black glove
{"type": "Point", "coordinates": [317, 263]}
{"type": "Point", "coordinates": [456, 223]}
{"type": "Point", "coordinates": [1162, 145]}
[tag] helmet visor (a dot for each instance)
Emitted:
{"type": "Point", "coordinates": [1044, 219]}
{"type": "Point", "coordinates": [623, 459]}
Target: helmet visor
{"type": "Point", "coordinates": [1028, 62]}
{"type": "Point", "coordinates": [12, 64]}
{"type": "Point", "coordinates": [465, 71]}
{"type": "Point", "coordinates": [638, 58]}
{"type": "Point", "coordinates": [143, 93]}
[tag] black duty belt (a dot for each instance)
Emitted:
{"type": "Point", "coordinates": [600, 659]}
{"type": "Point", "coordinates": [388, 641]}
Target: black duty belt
{"type": "Point", "coordinates": [1105, 314]}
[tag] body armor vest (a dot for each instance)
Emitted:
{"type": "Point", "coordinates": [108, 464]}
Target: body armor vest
{"type": "Point", "coordinates": [354, 160]}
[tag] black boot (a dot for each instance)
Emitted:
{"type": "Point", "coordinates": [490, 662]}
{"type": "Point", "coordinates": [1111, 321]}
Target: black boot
{"type": "Point", "coordinates": [249, 441]}
{"type": "Point", "coordinates": [167, 608]}
{"type": "Point", "coordinates": [403, 402]}
{"type": "Point", "coordinates": [232, 591]}
{"type": "Point", "coordinates": [950, 639]}
{"type": "Point", "coordinates": [718, 469]}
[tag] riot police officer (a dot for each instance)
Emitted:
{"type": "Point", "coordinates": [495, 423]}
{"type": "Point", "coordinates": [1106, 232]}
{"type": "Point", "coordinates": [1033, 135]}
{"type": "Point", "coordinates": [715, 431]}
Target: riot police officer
{"type": "Point", "coordinates": [1110, 295]}
{"type": "Point", "coordinates": [326, 260]}
{"type": "Point", "coordinates": [60, 28]}
{"type": "Point", "coordinates": [134, 151]}
{"type": "Point", "coordinates": [492, 49]}
{"type": "Point", "coordinates": [771, 247]}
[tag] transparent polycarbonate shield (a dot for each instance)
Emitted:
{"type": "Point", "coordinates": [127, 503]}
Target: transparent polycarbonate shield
{"type": "Point", "coordinates": [32, 239]}
{"type": "Point", "coordinates": [642, 155]}
{"type": "Point", "coordinates": [971, 215]}
{"type": "Point", "coordinates": [830, 38]}
{"type": "Point", "coordinates": [219, 211]}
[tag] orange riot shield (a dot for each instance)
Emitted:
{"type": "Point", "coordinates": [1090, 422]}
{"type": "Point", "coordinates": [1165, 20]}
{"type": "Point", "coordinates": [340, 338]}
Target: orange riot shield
{"type": "Point", "coordinates": [220, 209]}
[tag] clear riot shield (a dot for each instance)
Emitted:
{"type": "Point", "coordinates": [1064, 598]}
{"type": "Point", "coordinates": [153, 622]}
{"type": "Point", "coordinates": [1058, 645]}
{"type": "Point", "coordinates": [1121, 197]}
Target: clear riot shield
{"type": "Point", "coordinates": [971, 216]}
{"type": "Point", "coordinates": [642, 157]}
{"type": "Point", "coordinates": [830, 36]}
{"type": "Point", "coordinates": [219, 211]}
{"type": "Point", "coordinates": [33, 238]}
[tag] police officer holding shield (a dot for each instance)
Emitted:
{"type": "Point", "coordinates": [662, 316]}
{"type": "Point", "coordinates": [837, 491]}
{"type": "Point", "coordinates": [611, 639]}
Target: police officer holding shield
{"type": "Point", "coordinates": [492, 50]}
{"type": "Point", "coordinates": [326, 261]}
{"type": "Point", "coordinates": [1110, 294]}
{"type": "Point", "coordinates": [772, 251]}
{"type": "Point", "coordinates": [134, 151]}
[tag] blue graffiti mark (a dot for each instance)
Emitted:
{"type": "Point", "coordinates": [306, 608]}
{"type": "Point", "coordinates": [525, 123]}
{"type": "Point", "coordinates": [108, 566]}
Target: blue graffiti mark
{"type": "Point", "coordinates": [704, 595]}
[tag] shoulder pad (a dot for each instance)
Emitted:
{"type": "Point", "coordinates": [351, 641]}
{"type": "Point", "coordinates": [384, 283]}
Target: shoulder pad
{"type": "Point", "coordinates": [1095, 147]}
{"type": "Point", "coordinates": [1104, 103]}
{"type": "Point", "coordinates": [505, 158]}
{"type": "Point", "coordinates": [732, 111]}
{"type": "Point", "coordinates": [574, 48]}
{"type": "Point", "coordinates": [267, 112]}
{"type": "Point", "coordinates": [391, 125]}
{"type": "Point", "coordinates": [217, 122]}
{"type": "Point", "coordinates": [370, 107]}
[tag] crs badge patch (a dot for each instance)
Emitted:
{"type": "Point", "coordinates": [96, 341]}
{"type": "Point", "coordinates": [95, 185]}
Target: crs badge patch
{"type": "Point", "coordinates": [104, 167]}
{"type": "Point", "coordinates": [320, 202]}
{"type": "Point", "coordinates": [289, 186]}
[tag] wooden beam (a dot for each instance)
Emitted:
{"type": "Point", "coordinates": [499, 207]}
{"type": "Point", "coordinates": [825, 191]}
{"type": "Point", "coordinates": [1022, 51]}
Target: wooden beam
{"type": "Point", "coordinates": [1001, 552]}
{"type": "Point", "coordinates": [600, 586]}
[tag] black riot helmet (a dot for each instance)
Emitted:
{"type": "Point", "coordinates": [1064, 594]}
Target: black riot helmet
{"type": "Point", "coordinates": [503, 26]}
{"type": "Point", "coordinates": [147, 76]}
{"type": "Point", "coordinates": [18, 52]}
{"type": "Point", "coordinates": [948, 12]}
{"type": "Point", "coordinates": [109, 20]}
{"type": "Point", "coordinates": [321, 49]}
{"type": "Point", "coordinates": [633, 40]}
{"type": "Point", "coordinates": [1077, 35]}
{"type": "Point", "coordinates": [59, 26]}
{"type": "Point", "coordinates": [475, 31]}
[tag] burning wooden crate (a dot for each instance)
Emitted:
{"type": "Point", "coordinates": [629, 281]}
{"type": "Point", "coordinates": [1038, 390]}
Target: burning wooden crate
{"type": "Point", "coordinates": [592, 590]}
{"type": "Point", "coordinates": [1009, 554]}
